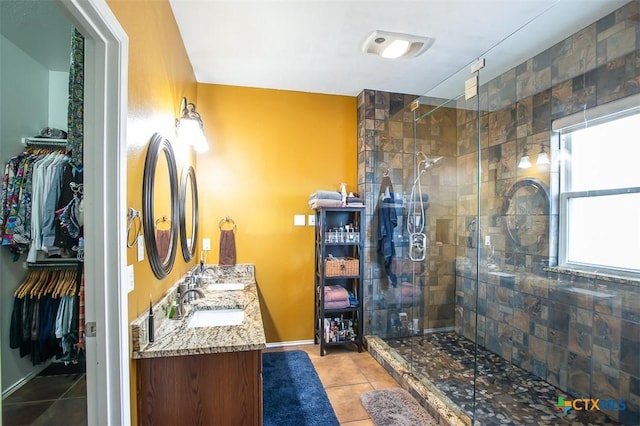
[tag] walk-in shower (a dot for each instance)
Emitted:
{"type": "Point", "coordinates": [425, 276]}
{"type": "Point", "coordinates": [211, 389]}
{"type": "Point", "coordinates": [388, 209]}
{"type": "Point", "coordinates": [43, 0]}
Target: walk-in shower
{"type": "Point", "coordinates": [481, 322]}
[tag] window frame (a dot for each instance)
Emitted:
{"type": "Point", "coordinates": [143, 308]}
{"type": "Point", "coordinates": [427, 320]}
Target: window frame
{"type": "Point", "coordinates": [588, 118]}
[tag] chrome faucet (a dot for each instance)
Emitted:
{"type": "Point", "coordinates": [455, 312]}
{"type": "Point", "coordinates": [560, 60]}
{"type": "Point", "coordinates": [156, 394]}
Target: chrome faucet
{"type": "Point", "coordinates": [183, 296]}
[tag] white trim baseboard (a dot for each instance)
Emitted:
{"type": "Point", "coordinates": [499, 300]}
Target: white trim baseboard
{"type": "Point", "coordinates": [290, 343]}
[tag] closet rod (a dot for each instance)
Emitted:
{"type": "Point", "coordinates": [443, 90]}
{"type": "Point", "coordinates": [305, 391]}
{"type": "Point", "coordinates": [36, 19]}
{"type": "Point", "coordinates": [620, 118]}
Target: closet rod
{"type": "Point", "coordinates": [57, 264]}
{"type": "Point", "coordinates": [45, 142]}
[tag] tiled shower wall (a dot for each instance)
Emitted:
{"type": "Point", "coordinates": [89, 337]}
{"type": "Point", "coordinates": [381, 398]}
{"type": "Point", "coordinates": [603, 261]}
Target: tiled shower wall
{"type": "Point", "coordinates": [386, 145]}
{"type": "Point", "coordinates": [586, 343]}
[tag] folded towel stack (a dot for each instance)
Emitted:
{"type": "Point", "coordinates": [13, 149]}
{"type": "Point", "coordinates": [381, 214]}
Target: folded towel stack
{"type": "Point", "coordinates": [323, 198]}
{"type": "Point", "coordinates": [336, 297]}
{"type": "Point", "coordinates": [353, 201]}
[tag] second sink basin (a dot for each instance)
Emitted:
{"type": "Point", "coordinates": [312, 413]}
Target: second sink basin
{"type": "Point", "coordinates": [216, 318]}
{"type": "Point", "coordinates": [225, 286]}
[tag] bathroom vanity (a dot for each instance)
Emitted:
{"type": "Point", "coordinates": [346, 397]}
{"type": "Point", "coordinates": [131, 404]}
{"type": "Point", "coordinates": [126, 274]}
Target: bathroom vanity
{"type": "Point", "coordinates": [205, 368]}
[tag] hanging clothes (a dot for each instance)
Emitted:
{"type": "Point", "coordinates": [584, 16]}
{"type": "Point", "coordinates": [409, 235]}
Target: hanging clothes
{"type": "Point", "coordinates": [45, 316]}
{"type": "Point", "coordinates": [387, 221]}
{"type": "Point", "coordinates": [75, 109]}
{"type": "Point", "coordinates": [40, 204]}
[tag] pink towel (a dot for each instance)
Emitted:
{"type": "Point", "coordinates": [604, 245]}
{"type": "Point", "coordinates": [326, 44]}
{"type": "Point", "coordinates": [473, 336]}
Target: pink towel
{"type": "Point", "coordinates": [336, 305]}
{"type": "Point", "coordinates": [227, 247]}
{"type": "Point", "coordinates": [335, 293]}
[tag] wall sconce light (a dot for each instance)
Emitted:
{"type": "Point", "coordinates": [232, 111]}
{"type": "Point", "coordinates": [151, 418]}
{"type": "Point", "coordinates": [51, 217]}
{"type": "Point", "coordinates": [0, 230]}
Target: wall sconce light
{"type": "Point", "coordinates": [396, 45]}
{"type": "Point", "coordinates": [525, 162]}
{"type": "Point", "coordinates": [189, 127]}
{"type": "Point", "coordinates": [543, 157]}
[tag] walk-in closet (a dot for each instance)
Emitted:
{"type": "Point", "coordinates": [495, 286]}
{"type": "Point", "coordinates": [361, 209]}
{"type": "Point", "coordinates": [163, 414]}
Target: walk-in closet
{"type": "Point", "coordinates": [41, 216]}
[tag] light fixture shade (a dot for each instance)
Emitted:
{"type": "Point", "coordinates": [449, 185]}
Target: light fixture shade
{"type": "Point", "coordinates": [396, 45]}
{"type": "Point", "coordinates": [189, 127]}
{"type": "Point", "coordinates": [525, 162]}
{"type": "Point", "coordinates": [543, 158]}
{"type": "Point", "coordinates": [190, 132]}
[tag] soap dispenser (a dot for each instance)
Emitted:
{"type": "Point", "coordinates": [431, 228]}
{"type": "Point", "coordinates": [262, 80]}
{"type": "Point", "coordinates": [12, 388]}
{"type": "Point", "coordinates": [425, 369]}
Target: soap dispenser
{"type": "Point", "coordinates": [343, 192]}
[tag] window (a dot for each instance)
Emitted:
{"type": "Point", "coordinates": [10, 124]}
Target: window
{"type": "Point", "coordinates": [600, 194]}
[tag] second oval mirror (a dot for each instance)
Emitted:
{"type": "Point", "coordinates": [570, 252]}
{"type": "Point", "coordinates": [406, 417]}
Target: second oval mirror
{"type": "Point", "coordinates": [188, 213]}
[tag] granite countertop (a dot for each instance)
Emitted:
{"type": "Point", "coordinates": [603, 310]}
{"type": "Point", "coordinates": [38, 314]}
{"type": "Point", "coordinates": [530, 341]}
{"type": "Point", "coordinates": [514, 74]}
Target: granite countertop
{"type": "Point", "coordinates": [174, 338]}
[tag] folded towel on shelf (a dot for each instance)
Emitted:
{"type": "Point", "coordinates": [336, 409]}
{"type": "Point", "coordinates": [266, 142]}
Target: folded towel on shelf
{"type": "Point", "coordinates": [325, 195]}
{"type": "Point", "coordinates": [355, 201]}
{"type": "Point", "coordinates": [340, 304]}
{"type": "Point", "coordinates": [333, 293]}
{"type": "Point", "coordinates": [318, 203]}
{"type": "Point", "coordinates": [353, 300]}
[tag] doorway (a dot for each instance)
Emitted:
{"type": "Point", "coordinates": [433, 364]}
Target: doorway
{"type": "Point", "coordinates": [107, 380]}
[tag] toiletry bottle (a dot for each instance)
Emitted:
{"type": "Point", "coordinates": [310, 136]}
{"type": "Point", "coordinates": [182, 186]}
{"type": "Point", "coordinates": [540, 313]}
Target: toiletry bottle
{"type": "Point", "coordinates": [151, 324]}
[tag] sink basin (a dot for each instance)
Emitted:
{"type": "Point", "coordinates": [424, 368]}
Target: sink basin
{"type": "Point", "coordinates": [225, 286]}
{"type": "Point", "coordinates": [216, 318]}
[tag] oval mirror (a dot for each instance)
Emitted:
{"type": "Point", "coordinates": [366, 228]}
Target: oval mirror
{"type": "Point", "coordinates": [160, 205]}
{"type": "Point", "coordinates": [525, 214]}
{"type": "Point", "coordinates": [188, 213]}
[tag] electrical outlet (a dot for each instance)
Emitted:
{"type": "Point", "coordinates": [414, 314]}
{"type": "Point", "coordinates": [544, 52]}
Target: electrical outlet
{"type": "Point", "coordinates": [206, 244]}
{"type": "Point", "coordinates": [311, 220]}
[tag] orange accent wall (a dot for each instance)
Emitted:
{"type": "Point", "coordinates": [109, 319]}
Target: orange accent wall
{"type": "Point", "coordinates": [270, 149]}
{"type": "Point", "coordinates": [160, 74]}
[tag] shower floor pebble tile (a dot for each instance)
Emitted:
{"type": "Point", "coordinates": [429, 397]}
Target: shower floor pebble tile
{"type": "Point", "coordinates": [505, 394]}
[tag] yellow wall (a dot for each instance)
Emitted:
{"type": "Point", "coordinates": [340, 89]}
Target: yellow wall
{"type": "Point", "coordinates": [269, 150]}
{"type": "Point", "coordinates": [160, 74]}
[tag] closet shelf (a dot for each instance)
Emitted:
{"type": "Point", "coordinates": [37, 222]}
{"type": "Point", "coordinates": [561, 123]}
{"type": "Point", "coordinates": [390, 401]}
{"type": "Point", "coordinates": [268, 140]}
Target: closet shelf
{"type": "Point", "coordinates": [54, 264]}
{"type": "Point", "coordinates": [44, 142]}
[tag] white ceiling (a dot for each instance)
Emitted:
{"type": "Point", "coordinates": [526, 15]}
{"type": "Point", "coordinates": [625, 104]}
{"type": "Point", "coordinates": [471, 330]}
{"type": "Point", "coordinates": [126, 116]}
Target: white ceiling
{"type": "Point", "coordinates": [40, 29]}
{"type": "Point", "coordinates": [315, 45]}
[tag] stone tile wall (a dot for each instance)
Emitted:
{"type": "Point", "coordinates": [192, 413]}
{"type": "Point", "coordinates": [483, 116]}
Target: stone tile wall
{"type": "Point", "coordinates": [386, 144]}
{"type": "Point", "coordinates": [580, 334]}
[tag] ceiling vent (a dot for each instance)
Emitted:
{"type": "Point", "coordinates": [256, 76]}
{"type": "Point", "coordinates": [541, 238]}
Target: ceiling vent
{"type": "Point", "coordinates": [396, 45]}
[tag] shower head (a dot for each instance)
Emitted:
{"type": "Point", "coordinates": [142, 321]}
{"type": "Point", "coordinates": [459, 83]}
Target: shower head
{"type": "Point", "coordinates": [428, 163]}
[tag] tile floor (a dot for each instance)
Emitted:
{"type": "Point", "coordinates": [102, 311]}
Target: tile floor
{"type": "Point", "coordinates": [57, 400]}
{"type": "Point", "coordinates": [48, 400]}
{"type": "Point", "coordinates": [357, 373]}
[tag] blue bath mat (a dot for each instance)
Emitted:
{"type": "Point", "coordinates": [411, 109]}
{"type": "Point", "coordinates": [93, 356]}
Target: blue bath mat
{"type": "Point", "coordinates": [292, 392]}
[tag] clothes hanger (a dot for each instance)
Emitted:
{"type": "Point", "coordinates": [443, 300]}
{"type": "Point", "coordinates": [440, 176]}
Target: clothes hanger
{"type": "Point", "coordinates": [386, 186]}
{"type": "Point", "coordinates": [23, 288]}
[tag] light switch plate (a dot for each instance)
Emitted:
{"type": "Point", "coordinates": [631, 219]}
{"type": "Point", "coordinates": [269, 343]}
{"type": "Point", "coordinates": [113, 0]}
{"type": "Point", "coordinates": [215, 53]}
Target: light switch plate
{"type": "Point", "coordinates": [206, 244]}
{"type": "Point", "coordinates": [298, 220]}
{"type": "Point", "coordinates": [130, 276]}
{"type": "Point", "coordinates": [311, 221]}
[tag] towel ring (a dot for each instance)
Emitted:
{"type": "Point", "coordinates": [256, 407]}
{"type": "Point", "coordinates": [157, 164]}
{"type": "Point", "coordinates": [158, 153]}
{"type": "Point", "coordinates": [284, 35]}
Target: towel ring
{"type": "Point", "coordinates": [163, 219]}
{"type": "Point", "coordinates": [227, 219]}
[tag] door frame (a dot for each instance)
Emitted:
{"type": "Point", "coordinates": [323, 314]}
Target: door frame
{"type": "Point", "coordinates": [105, 115]}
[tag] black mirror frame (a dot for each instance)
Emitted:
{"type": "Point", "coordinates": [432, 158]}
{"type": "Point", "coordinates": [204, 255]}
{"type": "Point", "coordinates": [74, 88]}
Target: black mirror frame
{"type": "Point", "coordinates": [188, 178]}
{"type": "Point", "coordinates": [158, 145]}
